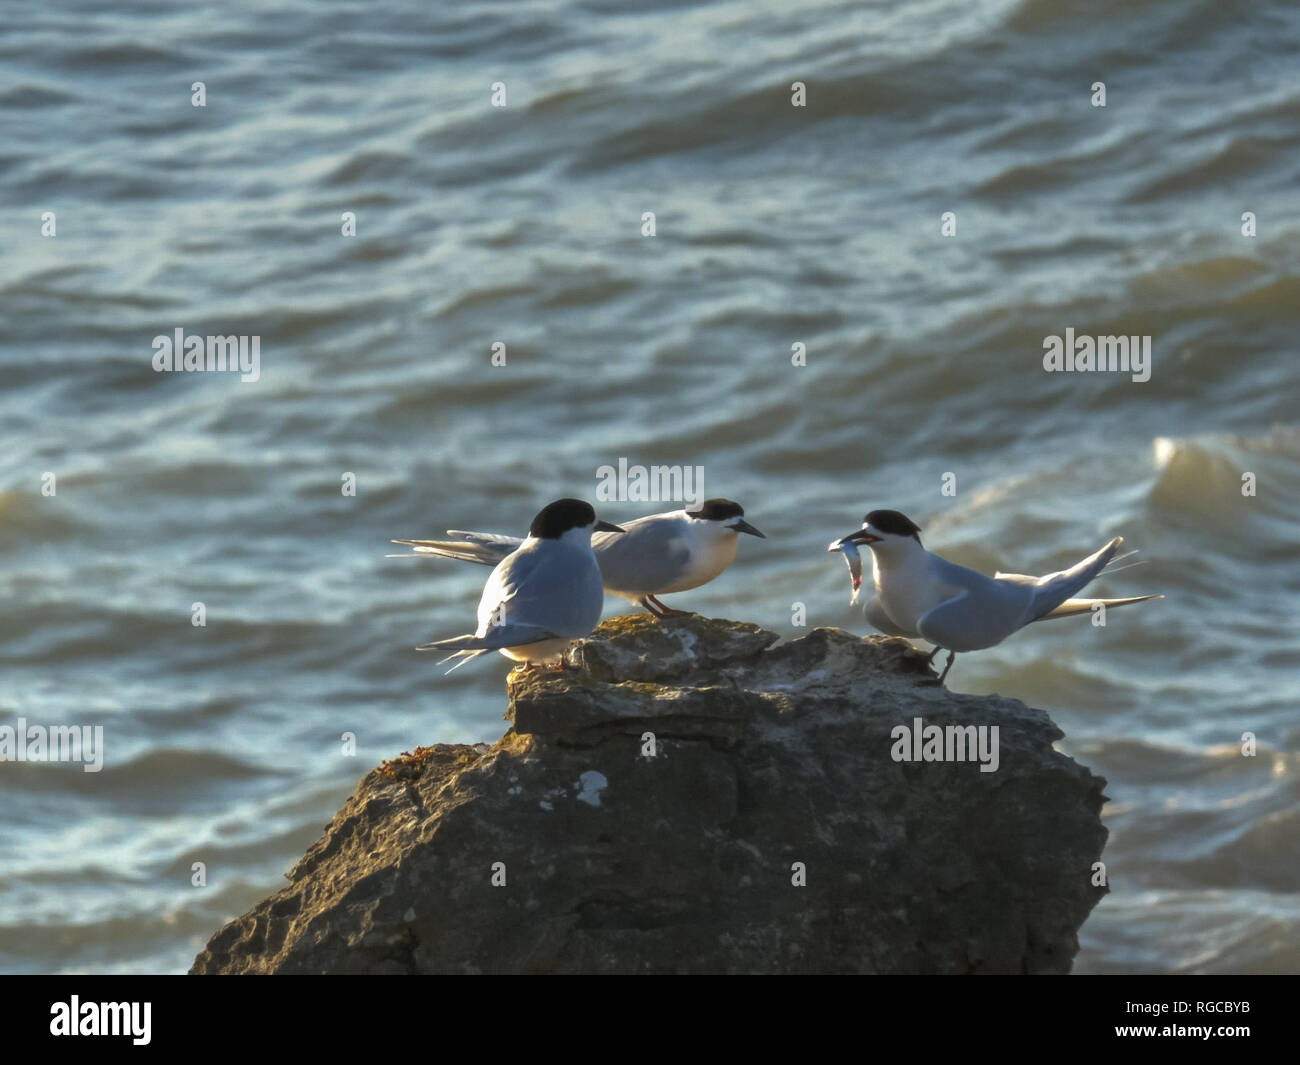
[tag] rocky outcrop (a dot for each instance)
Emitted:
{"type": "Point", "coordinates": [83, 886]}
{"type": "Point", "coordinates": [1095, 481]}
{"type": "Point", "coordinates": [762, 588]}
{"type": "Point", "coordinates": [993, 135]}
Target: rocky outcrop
{"type": "Point", "coordinates": [701, 797]}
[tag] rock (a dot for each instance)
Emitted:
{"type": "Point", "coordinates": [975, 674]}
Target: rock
{"type": "Point", "coordinates": [563, 847]}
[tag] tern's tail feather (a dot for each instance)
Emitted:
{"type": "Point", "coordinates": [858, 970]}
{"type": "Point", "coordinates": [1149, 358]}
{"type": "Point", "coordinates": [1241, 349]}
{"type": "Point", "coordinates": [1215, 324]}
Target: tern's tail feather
{"type": "Point", "coordinates": [1122, 558]}
{"type": "Point", "coordinates": [466, 648]}
{"type": "Point", "coordinates": [458, 643]}
{"type": "Point", "coordinates": [1113, 566]}
{"type": "Point", "coordinates": [487, 549]}
{"type": "Point", "coordinates": [464, 656]}
{"type": "Point", "coordinates": [512, 634]}
{"type": "Point", "coordinates": [1084, 606]}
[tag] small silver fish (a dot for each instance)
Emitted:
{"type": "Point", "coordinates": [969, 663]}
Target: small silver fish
{"type": "Point", "coordinates": [854, 560]}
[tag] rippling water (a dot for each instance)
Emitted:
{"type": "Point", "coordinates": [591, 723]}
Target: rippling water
{"type": "Point", "coordinates": [775, 226]}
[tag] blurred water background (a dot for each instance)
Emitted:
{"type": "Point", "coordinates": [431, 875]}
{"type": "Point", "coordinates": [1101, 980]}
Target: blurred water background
{"type": "Point", "coordinates": [775, 226]}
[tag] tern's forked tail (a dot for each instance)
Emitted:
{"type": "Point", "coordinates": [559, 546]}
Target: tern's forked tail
{"type": "Point", "coordinates": [487, 549]}
{"type": "Point", "coordinates": [1084, 606]}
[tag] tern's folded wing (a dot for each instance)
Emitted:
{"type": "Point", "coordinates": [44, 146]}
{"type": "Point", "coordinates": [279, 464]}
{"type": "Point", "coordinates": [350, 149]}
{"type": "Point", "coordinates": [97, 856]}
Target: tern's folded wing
{"type": "Point", "coordinates": [975, 618]}
{"type": "Point", "coordinates": [549, 585]}
{"type": "Point", "coordinates": [650, 555]}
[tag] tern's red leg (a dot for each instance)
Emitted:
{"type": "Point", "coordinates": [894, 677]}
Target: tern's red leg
{"type": "Point", "coordinates": [667, 611]}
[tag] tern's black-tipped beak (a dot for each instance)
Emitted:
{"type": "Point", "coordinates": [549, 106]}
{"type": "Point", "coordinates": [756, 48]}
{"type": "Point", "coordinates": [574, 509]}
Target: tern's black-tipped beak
{"type": "Point", "coordinates": [745, 527]}
{"type": "Point", "coordinates": [606, 526]}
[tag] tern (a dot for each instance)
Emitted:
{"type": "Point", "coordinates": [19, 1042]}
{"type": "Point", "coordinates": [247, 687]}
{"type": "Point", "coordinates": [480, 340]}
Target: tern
{"type": "Point", "coordinates": [542, 595]}
{"type": "Point", "coordinates": [920, 594]}
{"type": "Point", "coordinates": [655, 555]}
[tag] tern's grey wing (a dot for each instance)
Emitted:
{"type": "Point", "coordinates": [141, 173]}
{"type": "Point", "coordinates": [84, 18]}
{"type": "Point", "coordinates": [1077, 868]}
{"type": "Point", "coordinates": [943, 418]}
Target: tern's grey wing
{"type": "Point", "coordinates": [649, 555]}
{"type": "Point", "coordinates": [549, 585]}
{"type": "Point", "coordinates": [970, 621]}
{"type": "Point", "coordinates": [878, 619]}
{"type": "Point", "coordinates": [989, 609]}
{"type": "Point", "coordinates": [1050, 591]}
{"type": "Point", "coordinates": [980, 613]}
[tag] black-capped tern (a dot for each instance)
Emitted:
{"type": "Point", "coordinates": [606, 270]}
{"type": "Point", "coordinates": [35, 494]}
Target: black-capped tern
{"type": "Point", "coordinates": [655, 555]}
{"type": "Point", "coordinates": [920, 594]}
{"type": "Point", "coordinates": [542, 595]}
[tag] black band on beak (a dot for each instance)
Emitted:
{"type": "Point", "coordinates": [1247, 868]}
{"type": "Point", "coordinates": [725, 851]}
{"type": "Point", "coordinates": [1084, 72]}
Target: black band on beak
{"type": "Point", "coordinates": [605, 526]}
{"type": "Point", "coordinates": [745, 527]}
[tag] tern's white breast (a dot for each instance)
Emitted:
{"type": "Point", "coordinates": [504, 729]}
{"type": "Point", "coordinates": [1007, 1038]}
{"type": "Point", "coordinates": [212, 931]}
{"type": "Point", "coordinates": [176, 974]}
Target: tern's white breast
{"type": "Point", "coordinates": [907, 587]}
{"type": "Point", "coordinates": [709, 556]}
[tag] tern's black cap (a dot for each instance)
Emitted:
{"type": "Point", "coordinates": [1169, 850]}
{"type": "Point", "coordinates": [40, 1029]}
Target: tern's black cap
{"type": "Point", "coordinates": [717, 510]}
{"type": "Point", "coordinates": [555, 519]}
{"type": "Point", "coordinates": [892, 521]}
